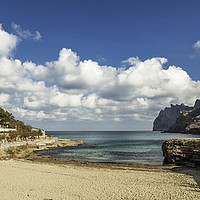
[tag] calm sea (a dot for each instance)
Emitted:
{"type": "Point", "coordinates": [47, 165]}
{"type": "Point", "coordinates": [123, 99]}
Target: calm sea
{"type": "Point", "coordinates": [141, 147]}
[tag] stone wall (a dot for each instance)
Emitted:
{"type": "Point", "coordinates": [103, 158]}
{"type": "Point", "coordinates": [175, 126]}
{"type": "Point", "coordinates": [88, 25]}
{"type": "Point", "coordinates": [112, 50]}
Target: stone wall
{"type": "Point", "coordinates": [182, 151]}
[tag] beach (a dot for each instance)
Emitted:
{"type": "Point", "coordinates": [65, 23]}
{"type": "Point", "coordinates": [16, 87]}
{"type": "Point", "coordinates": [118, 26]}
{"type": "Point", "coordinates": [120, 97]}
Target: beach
{"type": "Point", "coordinates": [34, 179]}
{"type": "Point", "coordinates": [25, 174]}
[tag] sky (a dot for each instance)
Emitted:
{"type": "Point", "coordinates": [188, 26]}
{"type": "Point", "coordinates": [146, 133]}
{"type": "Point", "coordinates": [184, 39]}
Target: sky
{"type": "Point", "coordinates": [97, 65]}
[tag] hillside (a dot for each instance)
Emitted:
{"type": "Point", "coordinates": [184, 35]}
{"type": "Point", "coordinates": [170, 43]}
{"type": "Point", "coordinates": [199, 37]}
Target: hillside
{"type": "Point", "coordinates": [7, 119]}
{"type": "Point", "coordinates": [12, 129]}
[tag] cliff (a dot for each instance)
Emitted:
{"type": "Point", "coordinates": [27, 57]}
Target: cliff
{"type": "Point", "coordinates": [182, 151]}
{"type": "Point", "coordinates": [169, 115]}
{"type": "Point", "coordinates": [187, 122]}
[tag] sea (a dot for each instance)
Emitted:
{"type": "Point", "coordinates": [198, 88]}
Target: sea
{"type": "Point", "coordinates": [136, 147]}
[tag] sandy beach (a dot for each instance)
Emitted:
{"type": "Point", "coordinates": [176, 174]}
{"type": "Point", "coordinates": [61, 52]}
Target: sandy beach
{"type": "Point", "coordinates": [23, 179]}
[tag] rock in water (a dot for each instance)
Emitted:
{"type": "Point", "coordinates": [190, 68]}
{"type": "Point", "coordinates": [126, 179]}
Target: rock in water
{"type": "Point", "coordinates": [169, 115]}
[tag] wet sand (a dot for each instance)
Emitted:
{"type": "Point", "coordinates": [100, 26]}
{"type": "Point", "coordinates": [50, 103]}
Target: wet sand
{"type": "Point", "coordinates": [42, 178]}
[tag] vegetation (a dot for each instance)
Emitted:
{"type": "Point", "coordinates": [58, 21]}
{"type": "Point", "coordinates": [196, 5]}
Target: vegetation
{"type": "Point", "coordinates": [6, 118]}
{"type": "Point", "coordinates": [23, 131]}
{"type": "Point", "coordinates": [2, 137]}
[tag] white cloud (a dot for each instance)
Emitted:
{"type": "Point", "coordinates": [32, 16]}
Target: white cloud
{"type": "Point", "coordinates": [4, 98]}
{"type": "Point", "coordinates": [37, 35]}
{"type": "Point", "coordinates": [8, 42]}
{"type": "Point", "coordinates": [60, 99]}
{"type": "Point", "coordinates": [25, 34]}
{"type": "Point", "coordinates": [83, 90]}
{"type": "Point", "coordinates": [90, 101]}
{"type": "Point", "coordinates": [197, 45]}
{"type": "Point", "coordinates": [132, 61]}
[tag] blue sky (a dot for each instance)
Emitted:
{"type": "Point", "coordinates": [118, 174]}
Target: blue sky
{"type": "Point", "coordinates": [113, 30]}
{"type": "Point", "coordinates": [107, 32]}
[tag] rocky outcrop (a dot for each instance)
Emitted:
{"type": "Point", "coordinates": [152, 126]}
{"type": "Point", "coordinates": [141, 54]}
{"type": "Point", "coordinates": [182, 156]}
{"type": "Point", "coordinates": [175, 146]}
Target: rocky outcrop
{"type": "Point", "coordinates": [182, 151]}
{"type": "Point", "coordinates": [169, 115]}
{"type": "Point", "coordinates": [187, 122]}
{"type": "Point", "coordinates": [22, 148]}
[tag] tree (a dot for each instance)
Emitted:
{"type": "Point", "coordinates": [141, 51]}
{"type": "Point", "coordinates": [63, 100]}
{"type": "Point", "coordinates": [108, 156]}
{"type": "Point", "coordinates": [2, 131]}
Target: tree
{"type": "Point", "coordinates": [6, 118]}
{"type": "Point", "coordinates": [13, 135]}
{"type": "Point", "coordinates": [24, 131]}
{"type": "Point", "coordinates": [37, 133]}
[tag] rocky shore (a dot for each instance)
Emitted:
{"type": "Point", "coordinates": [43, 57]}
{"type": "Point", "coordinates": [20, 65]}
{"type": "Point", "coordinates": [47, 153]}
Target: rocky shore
{"type": "Point", "coordinates": [20, 149]}
{"type": "Point", "coordinates": [182, 151]}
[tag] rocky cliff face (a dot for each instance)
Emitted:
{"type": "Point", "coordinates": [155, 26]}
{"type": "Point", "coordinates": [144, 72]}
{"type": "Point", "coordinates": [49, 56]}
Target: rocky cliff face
{"type": "Point", "coordinates": [187, 122]}
{"type": "Point", "coordinates": [197, 104]}
{"type": "Point", "coordinates": [169, 115]}
{"type": "Point", "coordinates": [182, 151]}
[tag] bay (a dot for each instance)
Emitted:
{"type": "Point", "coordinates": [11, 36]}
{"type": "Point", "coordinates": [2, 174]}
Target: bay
{"type": "Point", "coordinates": [139, 147]}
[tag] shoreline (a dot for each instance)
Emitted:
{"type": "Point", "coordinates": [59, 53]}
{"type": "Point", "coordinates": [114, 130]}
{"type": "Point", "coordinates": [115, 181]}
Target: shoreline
{"type": "Point", "coordinates": [17, 149]}
{"type": "Point", "coordinates": [28, 152]}
{"type": "Point", "coordinates": [37, 158]}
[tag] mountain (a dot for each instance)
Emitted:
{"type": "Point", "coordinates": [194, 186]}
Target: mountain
{"type": "Point", "coordinates": [169, 115]}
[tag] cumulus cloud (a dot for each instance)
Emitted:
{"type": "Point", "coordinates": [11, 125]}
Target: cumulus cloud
{"type": "Point", "coordinates": [79, 90]}
{"type": "Point", "coordinates": [25, 34]}
{"type": "Point", "coordinates": [107, 89]}
{"type": "Point", "coordinates": [8, 42]}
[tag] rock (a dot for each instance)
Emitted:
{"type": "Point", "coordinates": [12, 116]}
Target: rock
{"type": "Point", "coordinates": [197, 104]}
{"type": "Point", "coordinates": [39, 144]}
{"type": "Point", "coordinates": [187, 122]}
{"type": "Point", "coordinates": [182, 151]}
{"type": "Point", "coordinates": [169, 115]}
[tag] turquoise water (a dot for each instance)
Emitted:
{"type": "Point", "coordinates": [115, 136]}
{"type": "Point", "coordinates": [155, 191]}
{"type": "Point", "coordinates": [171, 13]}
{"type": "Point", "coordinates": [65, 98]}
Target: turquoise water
{"type": "Point", "coordinates": [141, 147]}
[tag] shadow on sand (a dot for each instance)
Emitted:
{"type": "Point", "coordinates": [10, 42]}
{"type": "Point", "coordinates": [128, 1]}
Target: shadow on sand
{"type": "Point", "coordinates": [190, 171]}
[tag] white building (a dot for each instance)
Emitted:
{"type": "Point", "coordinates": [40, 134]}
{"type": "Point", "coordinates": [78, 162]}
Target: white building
{"type": "Point", "coordinates": [6, 130]}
